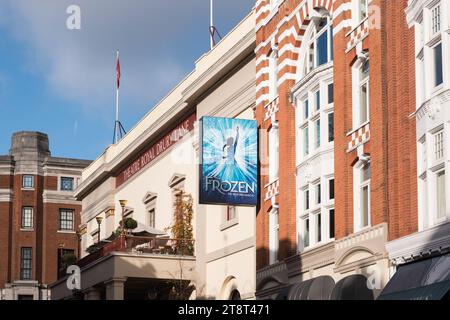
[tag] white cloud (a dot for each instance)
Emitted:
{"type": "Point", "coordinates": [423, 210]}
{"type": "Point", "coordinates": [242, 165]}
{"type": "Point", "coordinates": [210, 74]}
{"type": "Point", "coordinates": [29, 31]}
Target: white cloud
{"type": "Point", "coordinates": [80, 64]}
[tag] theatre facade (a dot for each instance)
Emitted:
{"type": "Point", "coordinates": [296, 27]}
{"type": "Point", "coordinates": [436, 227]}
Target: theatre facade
{"type": "Point", "coordinates": [150, 178]}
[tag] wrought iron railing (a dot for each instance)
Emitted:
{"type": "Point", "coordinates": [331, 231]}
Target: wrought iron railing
{"type": "Point", "coordinates": [135, 244]}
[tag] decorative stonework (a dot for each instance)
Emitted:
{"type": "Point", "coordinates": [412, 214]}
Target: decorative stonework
{"type": "Point", "coordinates": [272, 189]}
{"type": "Point", "coordinates": [359, 137]}
{"type": "Point", "coordinates": [272, 108]}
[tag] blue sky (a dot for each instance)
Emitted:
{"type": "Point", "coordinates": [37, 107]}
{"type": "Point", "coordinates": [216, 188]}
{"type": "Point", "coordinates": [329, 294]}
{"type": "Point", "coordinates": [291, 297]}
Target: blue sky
{"type": "Point", "coordinates": [62, 82]}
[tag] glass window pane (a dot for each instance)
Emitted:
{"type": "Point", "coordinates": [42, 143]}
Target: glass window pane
{"type": "Point", "coordinates": [332, 228]}
{"type": "Point", "coordinates": [317, 98]}
{"type": "Point", "coordinates": [306, 141]}
{"type": "Point", "coordinates": [330, 93]}
{"type": "Point", "coordinates": [441, 201]}
{"type": "Point", "coordinates": [331, 188]}
{"type": "Point", "coordinates": [322, 49]}
{"type": "Point", "coordinates": [438, 70]}
{"type": "Point", "coordinates": [319, 228]}
{"type": "Point", "coordinates": [67, 184]}
{"type": "Point", "coordinates": [307, 200]}
{"type": "Point", "coordinates": [362, 9]}
{"type": "Point", "coordinates": [317, 126]}
{"type": "Point", "coordinates": [318, 194]}
{"type": "Point", "coordinates": [306, 109]}
{"type": "Point", "coordinates": [364, 112]}
{"type": "Point", "coordinates": [330, 127]}
{"type": "Point", "coordinates": [306, 234]}
{"type": "Point", "coordinates": [365, 206]}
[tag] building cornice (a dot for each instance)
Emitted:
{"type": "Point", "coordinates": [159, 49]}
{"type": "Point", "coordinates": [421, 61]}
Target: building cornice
{"type": "Point", "coordinates": [419, 244]}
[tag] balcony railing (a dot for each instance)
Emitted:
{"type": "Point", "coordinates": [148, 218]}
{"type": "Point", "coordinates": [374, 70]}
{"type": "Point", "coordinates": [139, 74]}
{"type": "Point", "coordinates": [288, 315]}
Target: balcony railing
{"type": "Point", "coordinates": [148, 245]}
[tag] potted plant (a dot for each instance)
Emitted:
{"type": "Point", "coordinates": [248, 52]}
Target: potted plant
{"type": "Point", "coordinates": [92, 249]}
{"type": "Point", "coordinates": [69, 259]}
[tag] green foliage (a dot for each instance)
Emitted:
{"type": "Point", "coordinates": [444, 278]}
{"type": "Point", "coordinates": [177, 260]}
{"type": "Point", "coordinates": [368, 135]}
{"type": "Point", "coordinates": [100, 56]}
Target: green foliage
{"type": "Point", "coordinates": [130, 224]}
{"type": "Point", "coordinates": [92, 249]}
{"type": "Point", "coordinates": [69, 259]}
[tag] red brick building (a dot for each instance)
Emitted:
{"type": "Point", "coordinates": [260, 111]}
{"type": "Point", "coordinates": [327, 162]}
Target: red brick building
{"type": "Point", "coordinates": [38, 216]}
{"type": "Point", "coordinates": [350, 63]}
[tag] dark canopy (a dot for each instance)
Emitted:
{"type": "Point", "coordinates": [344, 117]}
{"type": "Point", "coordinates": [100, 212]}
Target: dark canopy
{"type": "Point", "coordinates": [423, 280]}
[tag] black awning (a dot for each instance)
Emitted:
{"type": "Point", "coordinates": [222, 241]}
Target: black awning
{"type": "Point", "coordinates": [314, 289]}
{"type": "Point", "coordinates": [353, 287]}
{"type": "Point", "coordinates": [423, 280]}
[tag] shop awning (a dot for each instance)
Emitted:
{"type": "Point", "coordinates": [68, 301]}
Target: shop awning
{"type": "Point", "coordinates": [353, 287]}
{"type": "Point", "coordinates": [314, 289]}
{"type": "Point", "coordinates": [423, 280]}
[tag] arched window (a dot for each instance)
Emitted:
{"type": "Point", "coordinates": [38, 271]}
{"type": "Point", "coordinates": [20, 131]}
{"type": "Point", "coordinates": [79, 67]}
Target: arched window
{"type": "Point", "coordinates": [317, 48]}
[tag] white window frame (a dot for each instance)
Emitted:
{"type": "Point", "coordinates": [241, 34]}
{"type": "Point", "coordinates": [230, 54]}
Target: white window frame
{"type": "Point", "coordinates": [274, 233]}
{"type": "Point", "coordinates": [444, 217]}
{"type": "Point", "coordinates": [273, 75]}
{"type": "Point", "coordinates": [33, 182]}
{"type": "Point", "coordinates": [309, 61]}
{"type": "Point", "coordinates": [358, 84]}
{"type": "Point", "coordinates": [30, 211]}
{"type": "Point", "coordinates": [274, 156]}
{"type": "Point", "coordinates": [317, 134]}
{"type": "Point", "coordinates": [358, 186]}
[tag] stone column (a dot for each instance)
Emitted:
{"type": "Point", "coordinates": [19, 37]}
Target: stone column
{"type": "Point", "coordinates": [92, 294]}
{"type": "Point", "coordinates": [115, 289]}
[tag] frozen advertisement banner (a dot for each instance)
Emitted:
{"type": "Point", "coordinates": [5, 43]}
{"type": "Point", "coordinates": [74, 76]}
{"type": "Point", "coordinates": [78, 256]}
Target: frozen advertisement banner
{"type": "Point", "coordinates": [229, 168]}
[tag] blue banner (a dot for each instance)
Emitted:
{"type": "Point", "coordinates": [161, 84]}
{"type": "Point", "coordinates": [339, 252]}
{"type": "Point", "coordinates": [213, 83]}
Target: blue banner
{"type": "Point", "coordinates": [229, 168]}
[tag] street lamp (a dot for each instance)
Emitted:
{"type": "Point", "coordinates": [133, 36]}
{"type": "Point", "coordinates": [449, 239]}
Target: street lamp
{"type": "Point", "coordinates": [123, 204]}
{"type": "Point", "coordinates": [99, 222]}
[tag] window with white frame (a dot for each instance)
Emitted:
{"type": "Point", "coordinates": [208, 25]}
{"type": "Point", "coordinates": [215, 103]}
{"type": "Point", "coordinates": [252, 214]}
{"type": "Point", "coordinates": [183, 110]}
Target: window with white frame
{"type": "Point", "coordinates": [273, 76]}
{"type": "Point", "coordinates": [152, 217]}
{"type": "Point", "coordinates": [318, 190]}
{"type": "Point", "coordinates": [305, 232]}
{"type": "Point", "coordinates": [364, 196]}
{"type": "Point", "coordinates": [67, 184]}
{"type": "Point", "coordinates": [319, 47]}
{"type": "Point", "coordinates": [361, 96]}
{"type": "Point", "coordinates": [364, 92]}
{"type": "Point", "coordinates": [331, 127]}
{"type": "Point", "coordinates": [317, 100]}
{"type": "Point", "coordinates": [331, 189]}
{"type": "Point", "coordinates": [27, 218]}
{"type": "Point", "coordinates": [440, 195]}
{"type": "Point", "coordinates": [439, 145]}
{"type": "Point", "coordinates": [273, 152]}
{"type": "Point", "coordinates": [306, 201]}
{"type": "Point", "coordinates": [317, 134]}
{"type": "Point", "coordinates": [332, 222]}
{"type": "Point", "coordinates": [306, 141]}
{"type": "Point", "coordinates": [273, 236]}
{"type": "Point", "coordinates": [28, 181]}
{"type": "Point", "coordinates": [305, 109]}
{"type": "Point", "coordinates": [363, 9]}
{"type": "Point", "coordinates": [66, 220]}
{"type": "Point", "coordinates": [318, 227]}
{"type": "Point", "coordinates": [316, 222]}
{"type": "Point", "coordinates": [438, 65]}
{"type": "Point", "coordinates": [436, 43]}
{"type": "Point", "coordinates": [436, 19]}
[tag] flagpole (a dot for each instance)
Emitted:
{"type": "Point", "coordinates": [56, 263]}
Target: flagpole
{"type": "Point", "coordinates": [211, 28]}
{"type": "Point", "coordinates": [117, 123]}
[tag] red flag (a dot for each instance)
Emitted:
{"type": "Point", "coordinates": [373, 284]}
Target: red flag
{"type": "Point", "coordinates": [118, 71]}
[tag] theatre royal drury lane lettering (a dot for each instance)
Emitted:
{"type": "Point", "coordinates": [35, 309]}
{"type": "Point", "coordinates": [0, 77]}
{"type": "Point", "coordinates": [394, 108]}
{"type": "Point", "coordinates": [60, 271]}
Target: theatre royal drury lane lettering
{"type": "Point", "coordinates": [151, 153]}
